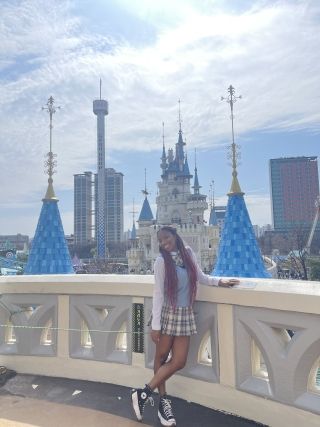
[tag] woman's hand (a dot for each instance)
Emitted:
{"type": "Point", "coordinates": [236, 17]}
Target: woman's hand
{"type": "Point", "coordinates": [155, 336]}
{"type": "Point", "coordinates": [228, 283]}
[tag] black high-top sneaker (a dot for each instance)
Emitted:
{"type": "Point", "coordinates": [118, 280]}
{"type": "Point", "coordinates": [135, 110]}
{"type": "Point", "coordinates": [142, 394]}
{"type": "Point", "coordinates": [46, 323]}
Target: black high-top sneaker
{"type": "Point", "coordinates": [165, 413]}
{"type": "Point", "coordinates": [140, 397]}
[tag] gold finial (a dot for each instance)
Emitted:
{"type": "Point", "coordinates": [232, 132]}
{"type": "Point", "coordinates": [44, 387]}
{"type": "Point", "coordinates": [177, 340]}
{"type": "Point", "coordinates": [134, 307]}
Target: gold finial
{"type": "Point", "coordinates": [50, 163]}
{"type": "Point", "coordinates": [234, 154]}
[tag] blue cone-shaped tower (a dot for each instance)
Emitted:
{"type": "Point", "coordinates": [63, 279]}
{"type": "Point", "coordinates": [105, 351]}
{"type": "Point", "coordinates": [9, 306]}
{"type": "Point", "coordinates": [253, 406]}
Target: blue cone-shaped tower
{"type": "Point", "coordinates": [49, 252]}
{"type": "Point", "coordinates": [239, 254]}
{"type": "Point", "coordinates": [146, 212]}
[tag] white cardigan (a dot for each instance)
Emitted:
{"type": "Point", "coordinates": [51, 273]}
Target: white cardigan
{"type": "Point", "coordinates": [158, 290]}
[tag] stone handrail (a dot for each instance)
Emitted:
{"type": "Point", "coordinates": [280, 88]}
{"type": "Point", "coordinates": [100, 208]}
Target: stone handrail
{"type": "Point", "coordinates": [256, 354]}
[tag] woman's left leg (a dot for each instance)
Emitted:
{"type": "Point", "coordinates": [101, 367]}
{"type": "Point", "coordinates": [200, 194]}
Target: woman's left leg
{"type": "Point", "coordinates": [180, 348]}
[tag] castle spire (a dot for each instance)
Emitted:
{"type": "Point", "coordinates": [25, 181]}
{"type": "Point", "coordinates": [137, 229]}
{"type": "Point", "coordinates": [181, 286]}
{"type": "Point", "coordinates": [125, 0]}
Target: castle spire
{"type": "Point", "coordinates": [179, 146]}
{"type": "Point", "coordinates": [49, 252]}
{"type": "Point", "coordinates": [133, 231]}
{"type": "Point", "coordinates": [163, 164]}
{"type": "Point", "coordinates": [234, 154]}
{"type": "Point", "coordinates": [242, 259]}
{"type": "Point", "coordinates": [196, 187]}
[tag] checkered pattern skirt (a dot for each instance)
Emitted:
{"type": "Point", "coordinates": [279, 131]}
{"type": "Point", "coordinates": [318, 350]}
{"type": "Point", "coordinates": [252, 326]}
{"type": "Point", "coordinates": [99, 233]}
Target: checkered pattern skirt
{"type": "Point", "coordinates": [177, 321]}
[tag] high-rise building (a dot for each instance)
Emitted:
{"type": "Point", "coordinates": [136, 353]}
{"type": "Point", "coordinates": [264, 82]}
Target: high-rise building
{"type": "Point", "coordinates": [114, 204]}
{"type": "Point", "coordinates": [83, 205]}
{"type": "Point", "coordinates": [220, 212]}
{"type": "Point", "coordinates": [294, 183]}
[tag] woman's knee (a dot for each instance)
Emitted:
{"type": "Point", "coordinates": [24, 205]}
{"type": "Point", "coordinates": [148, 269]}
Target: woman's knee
{"type": "Point", "coordinates": [162, 357]}
{"type": "Point", "coordinates": [179, 364]}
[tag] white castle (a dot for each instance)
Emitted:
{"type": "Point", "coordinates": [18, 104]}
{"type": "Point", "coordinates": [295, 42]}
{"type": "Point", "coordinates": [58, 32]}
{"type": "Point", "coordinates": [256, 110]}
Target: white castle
{"type": "Point", "coordinates": [176, 206]}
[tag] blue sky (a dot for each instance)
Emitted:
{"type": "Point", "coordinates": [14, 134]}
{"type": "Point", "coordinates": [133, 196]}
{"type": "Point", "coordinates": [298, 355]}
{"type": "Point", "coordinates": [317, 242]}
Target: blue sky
{"type": "Point", "coordinates": [149, 54]}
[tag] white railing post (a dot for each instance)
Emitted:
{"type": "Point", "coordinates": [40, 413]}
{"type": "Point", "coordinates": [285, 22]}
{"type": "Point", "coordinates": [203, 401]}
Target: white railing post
{"type": "Point", "coordinates": [63, 325]}
{"type": "Point", "coordinates": [226, 345]}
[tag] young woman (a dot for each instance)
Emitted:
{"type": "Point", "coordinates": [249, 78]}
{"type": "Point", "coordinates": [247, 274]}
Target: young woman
{"type": "Point", "coordinates": [176, 275]}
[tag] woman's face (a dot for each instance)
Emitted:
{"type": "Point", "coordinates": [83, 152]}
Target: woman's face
{"type": "Point", "coordinates": [167, 241]}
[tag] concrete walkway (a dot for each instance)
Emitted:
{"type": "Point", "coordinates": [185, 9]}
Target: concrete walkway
{"type": "Point", "coordinates": [25, 412]}
{"type": "Point", "coordinates": [29, 400]}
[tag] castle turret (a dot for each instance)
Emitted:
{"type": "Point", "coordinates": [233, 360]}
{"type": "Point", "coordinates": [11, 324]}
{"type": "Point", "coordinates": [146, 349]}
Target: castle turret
{"type": "Point", "coordinates": [49, 252]}
{"type": "Point", "coordinates": [239, 254]}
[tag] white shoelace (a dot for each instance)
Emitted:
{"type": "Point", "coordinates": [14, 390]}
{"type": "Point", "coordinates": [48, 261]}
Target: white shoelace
{"type": "Point", "coordinates": [167, 408]}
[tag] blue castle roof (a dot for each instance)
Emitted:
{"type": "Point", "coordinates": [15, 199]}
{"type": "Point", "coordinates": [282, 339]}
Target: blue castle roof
{"type": "Point", "coordinates": [49, 252]}
{"type": "Point", "coordinates": [146, 213]}
{"type": "Point", "coordinates": [213, 217]}
{"type": "Point", "coordinates": [239, 254]}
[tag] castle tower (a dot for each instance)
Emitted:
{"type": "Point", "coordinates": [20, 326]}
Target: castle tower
{"type": "Point", "coordinates": [100, 109]}
{"type": "Point", "coordinates": [197, 202]}
{"type": "Point", "coordinates": [239, 254]}
{"type": "Point", "coordinates": [49, 252]}
{"type": "Point", "coordinates": [174, 187]}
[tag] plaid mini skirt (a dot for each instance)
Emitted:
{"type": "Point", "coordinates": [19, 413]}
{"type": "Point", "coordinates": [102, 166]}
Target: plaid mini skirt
{"type": "Point", "coordinates": [177, 321]}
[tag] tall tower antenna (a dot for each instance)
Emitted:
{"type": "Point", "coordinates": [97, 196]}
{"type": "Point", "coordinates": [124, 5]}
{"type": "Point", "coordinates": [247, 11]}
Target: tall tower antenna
{"type": "Point", "coordinates": [100, 109]}
{"type": "Point", "coordinates": [234, 154]}
{"type": "Point", "coordinates": [51, 162]}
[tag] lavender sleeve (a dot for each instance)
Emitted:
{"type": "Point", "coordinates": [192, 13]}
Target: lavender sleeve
{"type": "Point", "coordinates": [202, 278]}
{"type": "Point", "coordinates": [158, 293]}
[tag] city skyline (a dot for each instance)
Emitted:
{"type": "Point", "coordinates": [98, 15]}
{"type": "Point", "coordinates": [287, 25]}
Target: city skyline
{"type": "Point", "coordinates": [148, 56]}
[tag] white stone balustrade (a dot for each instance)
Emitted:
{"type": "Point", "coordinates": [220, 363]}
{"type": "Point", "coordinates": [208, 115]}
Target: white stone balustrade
{"type": "Point", "coordinates": [256, 354]}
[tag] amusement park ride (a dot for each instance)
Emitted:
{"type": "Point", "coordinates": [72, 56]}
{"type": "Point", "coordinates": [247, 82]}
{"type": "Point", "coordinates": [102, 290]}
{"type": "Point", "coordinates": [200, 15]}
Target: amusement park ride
{"type": "Point", "coordinates": [9, 264]}
{"type": "Point", "coordinates": [313, 228]}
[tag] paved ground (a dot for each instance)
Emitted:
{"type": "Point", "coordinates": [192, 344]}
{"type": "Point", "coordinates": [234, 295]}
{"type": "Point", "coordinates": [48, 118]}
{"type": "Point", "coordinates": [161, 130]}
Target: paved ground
{"type": "Point", "coordinates": [29, 400]}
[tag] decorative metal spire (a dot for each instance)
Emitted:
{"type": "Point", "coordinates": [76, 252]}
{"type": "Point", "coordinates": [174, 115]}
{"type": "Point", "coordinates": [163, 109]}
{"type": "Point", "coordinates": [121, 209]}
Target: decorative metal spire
{"type": "Point", "coordinates": [145, 192]}
{"type": "Point", "coordinates": [50, 163]}
{"type": "Point", "coordinates": [133, 212]}
{"type": "Point", "coordinates": [163, 136]}
{"type": "Point", "coordinates": [234, 154]}
{"type": "Point", "coordinates": [211, 195]}
{"type": "Point", "coordinates": [180, 120]}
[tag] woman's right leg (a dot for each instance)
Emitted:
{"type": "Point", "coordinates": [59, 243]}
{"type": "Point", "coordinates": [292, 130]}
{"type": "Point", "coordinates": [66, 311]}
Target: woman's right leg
{"type": "Point", "coordinates": [162, 351]}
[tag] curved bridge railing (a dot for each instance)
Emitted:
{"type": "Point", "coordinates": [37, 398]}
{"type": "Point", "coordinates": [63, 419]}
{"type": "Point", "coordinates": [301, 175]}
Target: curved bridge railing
{"type": "Point", "coordinates": [256, 354]}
